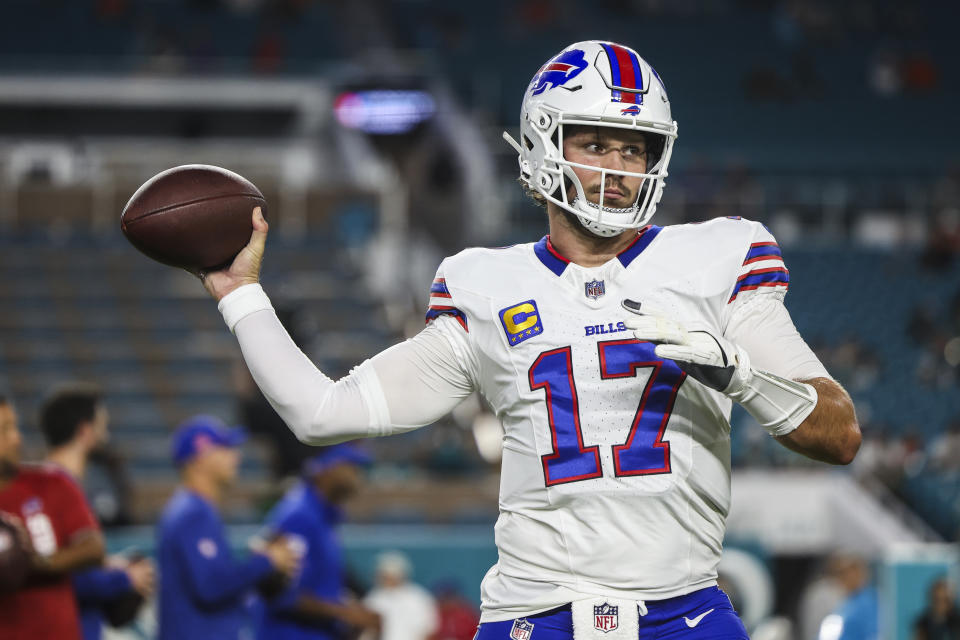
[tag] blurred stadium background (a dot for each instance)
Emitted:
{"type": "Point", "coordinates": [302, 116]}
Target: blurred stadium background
{"type": "Point", "coordinates": [373, 128]}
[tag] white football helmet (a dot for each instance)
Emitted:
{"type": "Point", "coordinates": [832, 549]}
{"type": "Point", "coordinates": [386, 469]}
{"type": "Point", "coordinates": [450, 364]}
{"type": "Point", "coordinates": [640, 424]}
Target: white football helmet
{"type": "Point", "coordinates": [593, 84]}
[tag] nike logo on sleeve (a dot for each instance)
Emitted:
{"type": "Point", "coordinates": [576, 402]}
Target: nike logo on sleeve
{"type": "Point", "coordinates": [696, 621]}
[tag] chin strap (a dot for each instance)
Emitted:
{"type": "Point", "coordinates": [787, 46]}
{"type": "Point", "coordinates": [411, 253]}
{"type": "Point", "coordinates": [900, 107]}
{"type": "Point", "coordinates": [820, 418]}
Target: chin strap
{"type": "Point", "coordinates": [596, 228]}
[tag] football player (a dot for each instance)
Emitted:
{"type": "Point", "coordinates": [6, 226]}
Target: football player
{"type": "Point", "coordinates": [611, 351]}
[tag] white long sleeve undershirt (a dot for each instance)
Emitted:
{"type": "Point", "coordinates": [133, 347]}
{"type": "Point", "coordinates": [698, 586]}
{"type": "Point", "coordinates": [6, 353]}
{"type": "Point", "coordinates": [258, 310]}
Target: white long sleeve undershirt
{"type": "Point", "coordinates": [406, 386]}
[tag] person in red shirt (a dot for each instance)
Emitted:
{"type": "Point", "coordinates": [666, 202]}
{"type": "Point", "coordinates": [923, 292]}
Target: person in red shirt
{"type": "Point", "coordinates": [64, 535]}
{"type": "Point", "coordinates": [459, 619]}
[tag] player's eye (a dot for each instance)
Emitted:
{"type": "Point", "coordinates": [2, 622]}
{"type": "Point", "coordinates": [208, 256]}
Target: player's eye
{"type": "Point", "coordinates": [633, 151]}
{"type": "Point", "coordinates": [593, 147]}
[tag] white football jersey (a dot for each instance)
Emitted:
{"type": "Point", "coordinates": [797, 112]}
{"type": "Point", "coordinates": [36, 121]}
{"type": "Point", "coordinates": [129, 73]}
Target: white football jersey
{"type": "Point", "coordinates": [616, 465]}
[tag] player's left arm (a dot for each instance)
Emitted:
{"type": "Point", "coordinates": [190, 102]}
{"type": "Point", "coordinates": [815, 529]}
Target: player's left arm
{"type": "Point", "coordinates": [831, 432]}
{"type": "Point", "coordinates": [762, 363]}
{"type": "Point", "coordinates": [764, 330]}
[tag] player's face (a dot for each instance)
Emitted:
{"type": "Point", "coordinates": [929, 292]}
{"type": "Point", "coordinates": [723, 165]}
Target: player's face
{"type": "Point", "coordinates": [606, 148]}
{"type": "Point", "coordinates": [224, 462]}
{"type": "Point", "coordinates": [9, 439]}
{"type": "Point", "coordinates": [342, 481]}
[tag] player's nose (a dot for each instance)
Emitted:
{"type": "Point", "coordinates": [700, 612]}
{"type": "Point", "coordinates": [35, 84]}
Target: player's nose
{"type": "Point", "coordinates": [613, 159]}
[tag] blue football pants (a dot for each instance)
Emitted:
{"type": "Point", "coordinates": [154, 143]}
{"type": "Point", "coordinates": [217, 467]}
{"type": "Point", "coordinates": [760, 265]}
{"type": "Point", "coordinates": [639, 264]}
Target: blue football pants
{"type": "Point", "coordinates": [665, 620]}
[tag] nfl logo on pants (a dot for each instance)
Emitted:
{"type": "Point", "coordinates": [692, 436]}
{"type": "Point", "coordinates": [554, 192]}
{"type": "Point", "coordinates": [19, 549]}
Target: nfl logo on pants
{"type": "Point", "coordinates": [521, 629]}
{"type": "Point", "coordinates": [605, 617]}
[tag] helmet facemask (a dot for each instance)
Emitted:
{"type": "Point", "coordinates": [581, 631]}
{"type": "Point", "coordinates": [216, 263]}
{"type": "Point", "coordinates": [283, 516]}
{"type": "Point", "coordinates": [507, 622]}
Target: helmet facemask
{"type": "Point", "coordinates": [552, 173]}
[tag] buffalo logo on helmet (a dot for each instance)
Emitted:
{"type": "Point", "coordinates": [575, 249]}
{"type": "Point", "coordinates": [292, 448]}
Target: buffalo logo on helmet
{"type": "Point", "coordinates": [632, 110]}
{"type": "Point", "coordinates": [559, 71]}
{"type": "Point", "coordinates": [605, 617]}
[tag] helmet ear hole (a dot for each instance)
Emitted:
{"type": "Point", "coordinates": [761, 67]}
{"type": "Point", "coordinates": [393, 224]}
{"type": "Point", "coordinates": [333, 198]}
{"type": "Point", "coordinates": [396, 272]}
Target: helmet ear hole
{"type": "Point", "coordinates": [545, 181]}
{"type": "Point", "coordinates": [541, 120]}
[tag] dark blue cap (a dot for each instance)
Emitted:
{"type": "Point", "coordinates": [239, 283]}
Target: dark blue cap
{"type": "Point", "coordinates": [334, 455]}
{"type": "Point", "coordinates": [199, 432]}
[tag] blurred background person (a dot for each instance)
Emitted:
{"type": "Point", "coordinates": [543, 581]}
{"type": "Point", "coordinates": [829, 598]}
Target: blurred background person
{"type": "Point", "coordinates": [317, 605]}
{"type": "Point", "coordinates": [407, 610]}
{"type": "Point", "coordinates": [63, 533]}
{"type": "Point", "coordinates": [941, 619]}
{"type": "Point", "coordinates": [820, 598]}
{"type": "Point", "coordinates": [858, 615]}
{"type": "Point", "coordinates": [74, 421]}
{"type": "Point", "coordinates": [457, 617]}
{"type": "Point", "coordinates": [203, 587]}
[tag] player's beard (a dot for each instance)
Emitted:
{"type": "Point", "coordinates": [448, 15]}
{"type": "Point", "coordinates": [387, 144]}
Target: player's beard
{"type": "Point", "coordinates": [577, 225]}
{"type": "Point", "coordinates": [627, 200]}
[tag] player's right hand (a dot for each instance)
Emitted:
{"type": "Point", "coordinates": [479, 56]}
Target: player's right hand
{"type": "Point", "coordinates": [283, 556]}
{"type": "Point", "coordinates": [245, 268]}
{"type": "Point", "coordinates": [707, 358]}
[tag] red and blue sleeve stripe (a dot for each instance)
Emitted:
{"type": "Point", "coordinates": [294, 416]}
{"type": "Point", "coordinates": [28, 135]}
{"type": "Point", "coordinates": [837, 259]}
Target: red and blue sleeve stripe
{"type": "Point", "coordinates": [763, 251]}
{"type": "Point", "coordinates": [625, 73]}
{"type": "Point", "coordinates": [439, 289]}
{"type": "Point", "coordinates": [772, 277]}
{"type": "Point", "coordinates": [435, 311]}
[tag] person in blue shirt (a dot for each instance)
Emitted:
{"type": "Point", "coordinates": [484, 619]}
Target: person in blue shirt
{"type": "Point", "coordinates": [115, 592]}
{"type": "Point", "coordinates": [203, 587]}
{"type": "Point", "coordinates": [858, 615]}
{"type": "Point", "coordinates": [315, 606]}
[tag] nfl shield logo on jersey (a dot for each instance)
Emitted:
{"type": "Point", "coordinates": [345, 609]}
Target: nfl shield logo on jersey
{"type": "Point", "coordinates": [605, 617]}
{"type": "Point", "coordinates": [595, 288]}
{"type": "Point", "coordinates": [521, 629]}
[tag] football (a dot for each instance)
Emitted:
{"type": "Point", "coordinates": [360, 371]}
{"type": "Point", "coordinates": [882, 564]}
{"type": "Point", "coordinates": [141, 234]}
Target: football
{"type": "Point", "coordinates": [14, 558]}
{"type": "Point", "coordinates": [195, 216]}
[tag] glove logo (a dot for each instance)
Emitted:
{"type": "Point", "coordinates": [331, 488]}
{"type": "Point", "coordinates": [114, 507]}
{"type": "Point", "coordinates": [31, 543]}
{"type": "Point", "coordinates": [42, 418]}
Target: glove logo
{"type": "Point", "coordinates": [521, 322]}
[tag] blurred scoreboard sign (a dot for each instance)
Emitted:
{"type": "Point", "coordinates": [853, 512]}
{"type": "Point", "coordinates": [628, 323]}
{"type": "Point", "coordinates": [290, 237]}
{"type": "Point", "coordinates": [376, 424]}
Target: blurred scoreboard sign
{"type": "Point", "coordinates": [160, 107]}
{"type": "Point", "coordinates": [384, 111]}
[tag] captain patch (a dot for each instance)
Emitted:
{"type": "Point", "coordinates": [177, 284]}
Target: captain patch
{"type": "Point", "coordinates": [521, 322]}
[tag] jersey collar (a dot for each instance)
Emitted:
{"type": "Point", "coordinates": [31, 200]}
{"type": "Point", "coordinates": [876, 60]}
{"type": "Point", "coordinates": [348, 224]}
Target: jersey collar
{"type": "Point", "coordinates": [552, 259]}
